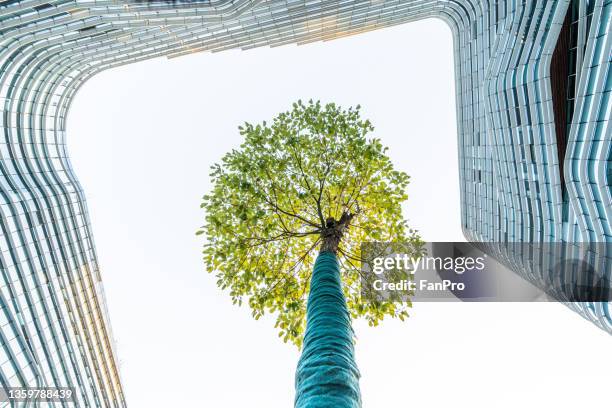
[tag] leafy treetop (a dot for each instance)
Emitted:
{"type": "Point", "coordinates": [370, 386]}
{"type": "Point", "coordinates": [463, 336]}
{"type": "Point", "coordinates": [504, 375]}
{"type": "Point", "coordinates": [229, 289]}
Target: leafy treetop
{"type": "Point", "coordinates": [311, 180]}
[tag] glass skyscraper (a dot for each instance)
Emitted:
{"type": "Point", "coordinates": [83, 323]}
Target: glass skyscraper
{"type": "Point", "coordinates": [533, 98]}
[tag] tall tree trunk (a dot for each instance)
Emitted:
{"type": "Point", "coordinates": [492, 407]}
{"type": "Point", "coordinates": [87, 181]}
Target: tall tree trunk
{"type": "Point", "coordinates": [327, 375]}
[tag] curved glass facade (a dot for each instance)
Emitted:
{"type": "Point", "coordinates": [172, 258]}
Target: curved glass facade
{"type": "Point", "coordinates": [533, 99]}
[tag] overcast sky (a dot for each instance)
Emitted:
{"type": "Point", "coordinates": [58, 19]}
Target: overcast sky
{"type": "Point", "coordinates": [142, 138]}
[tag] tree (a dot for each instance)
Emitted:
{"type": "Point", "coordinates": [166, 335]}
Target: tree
{"type": "Point", "coordinates": [285, 218]}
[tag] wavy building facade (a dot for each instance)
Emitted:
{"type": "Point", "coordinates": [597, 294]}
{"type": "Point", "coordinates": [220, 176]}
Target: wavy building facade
{"type": "Point", "coordinates": [533, 98]}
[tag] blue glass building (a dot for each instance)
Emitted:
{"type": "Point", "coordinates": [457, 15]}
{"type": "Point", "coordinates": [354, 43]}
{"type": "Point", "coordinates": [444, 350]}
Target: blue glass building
{"type": "Point", "coordinates": [533, 99]}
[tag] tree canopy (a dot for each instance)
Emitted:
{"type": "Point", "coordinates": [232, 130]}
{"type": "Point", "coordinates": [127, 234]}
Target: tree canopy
{"type": "Point", "coordinates": [275, 199]}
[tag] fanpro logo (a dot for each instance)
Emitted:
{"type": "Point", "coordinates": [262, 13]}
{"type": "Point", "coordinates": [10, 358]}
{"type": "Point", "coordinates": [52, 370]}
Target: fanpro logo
{"type": "Point", "coordinates": [411, 264]}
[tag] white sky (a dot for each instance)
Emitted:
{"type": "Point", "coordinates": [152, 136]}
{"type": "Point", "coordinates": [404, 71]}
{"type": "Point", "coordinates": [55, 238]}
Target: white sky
{"type": "Point", "coordinates": [142, 138]}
